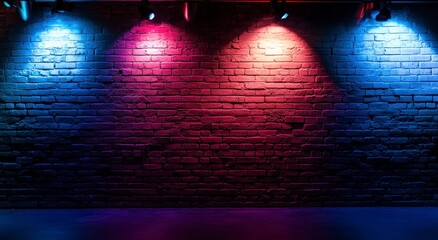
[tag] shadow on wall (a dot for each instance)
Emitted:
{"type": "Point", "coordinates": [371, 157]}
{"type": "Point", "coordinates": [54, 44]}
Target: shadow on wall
{"type": "Point", "coordinates": [386, 138]}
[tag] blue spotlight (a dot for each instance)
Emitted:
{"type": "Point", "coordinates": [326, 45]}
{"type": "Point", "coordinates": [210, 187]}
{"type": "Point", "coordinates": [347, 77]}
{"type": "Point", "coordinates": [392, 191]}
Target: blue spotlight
{"type": "Point", "coordinates": [384, 14]}
{"type": "Point", "coordinates": [8, 4]}
{"type": "Point", "coordinates": [279, 9]}
{"type": "Point", "coordinates": [284, 16]}
{"type": "Point", "coordinates": [62, 6]}
{"type": "Point", "coordinates": [145, 11]}
{"type": "Point", "coordinates": [22, 7]}
{"type": "Point", "coordinates": [151, 16]}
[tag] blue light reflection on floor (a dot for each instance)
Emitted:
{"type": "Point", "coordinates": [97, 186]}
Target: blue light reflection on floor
{"type": "Point", "coordinates": [216, 224]}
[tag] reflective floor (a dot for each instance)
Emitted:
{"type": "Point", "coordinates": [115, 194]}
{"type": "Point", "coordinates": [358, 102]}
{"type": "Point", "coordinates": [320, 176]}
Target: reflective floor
{"type": "Point", "coordinates": [221, 224]}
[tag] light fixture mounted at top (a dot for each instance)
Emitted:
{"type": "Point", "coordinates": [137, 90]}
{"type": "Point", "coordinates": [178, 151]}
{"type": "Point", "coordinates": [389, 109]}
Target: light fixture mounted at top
{"type": "Point", "coordinates": [9, 3]}
{"type": "Point", "coordinates": [385, 12]}
{"type": "Point", "coordinates": [377, 9]}
{"type": "Point", "coordinates": [62, 6]}
{"type": "Point", "coordinates": [145, 11]}
{"type": "Point", "coordinates": [189, 11]}
{"type": "Point", "coordinates": [22, 7]}
{"type": "Point", "coordinates": [279, 9]}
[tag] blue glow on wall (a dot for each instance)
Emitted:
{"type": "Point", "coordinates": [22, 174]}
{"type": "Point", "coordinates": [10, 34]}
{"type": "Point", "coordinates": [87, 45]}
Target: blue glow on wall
{"type": "Point", "coordinates": [389, 72]}
{"type": "Point", "coordinates": [55, 37]}
{"type": "Point", "coordinates": [54, 86]}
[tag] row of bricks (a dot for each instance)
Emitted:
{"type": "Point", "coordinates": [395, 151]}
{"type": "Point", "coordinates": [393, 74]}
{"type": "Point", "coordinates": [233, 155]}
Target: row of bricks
{"type": "Point", "coordinates": [150, 83]}
{"type": "Point", "coordinates": [208, 75]}
{"type": "Point", "coordinates": [215, 98]}
{"type": "Point", "coordinates": [194, 100]}
{"type": "Point", "coordinates": [192, 60]}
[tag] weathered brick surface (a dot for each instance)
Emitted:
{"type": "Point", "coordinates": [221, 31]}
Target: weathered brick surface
{"type": "Point", "coordinates": [99, 109]}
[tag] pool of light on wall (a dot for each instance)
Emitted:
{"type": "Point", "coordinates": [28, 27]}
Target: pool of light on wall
{"type": "Point", "coordinates": [56, 37]}
{"type": "Point", "coordinates": [276, 54]}
{"type": "Point", "coordinates": [58, 45]}
{"type": "Point", "coordinates": [267, 43]}
{"type": "Point", "coordinates": [400, 49]}
{"type": "Point", "coordinates": [390, 66]}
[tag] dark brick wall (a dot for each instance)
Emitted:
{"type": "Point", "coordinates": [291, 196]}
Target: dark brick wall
{"type": "Point", "coordinates": [99, 109]}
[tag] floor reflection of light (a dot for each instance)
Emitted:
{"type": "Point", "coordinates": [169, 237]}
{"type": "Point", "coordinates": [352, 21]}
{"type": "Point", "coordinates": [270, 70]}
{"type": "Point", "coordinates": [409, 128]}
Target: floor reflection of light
{"type": "Point", "coordinates": [218, 224]}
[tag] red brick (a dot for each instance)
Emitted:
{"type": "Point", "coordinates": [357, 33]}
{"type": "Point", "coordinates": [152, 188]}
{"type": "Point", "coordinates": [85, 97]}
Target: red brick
{"type": "Point", "coordinates": [169, 65]}
{"type": "Point", "coordinates": [227, 112]}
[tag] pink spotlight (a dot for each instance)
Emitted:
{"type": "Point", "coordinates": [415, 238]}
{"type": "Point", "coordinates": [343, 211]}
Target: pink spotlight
{"type": "Point", "coordinates": [189, 11]}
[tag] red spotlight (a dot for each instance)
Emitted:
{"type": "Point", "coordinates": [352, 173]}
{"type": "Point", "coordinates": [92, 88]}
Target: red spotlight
{"type": "Point", "coordinates": [364, 10]}
{"type": "Point", "coordinates": [189, 11]}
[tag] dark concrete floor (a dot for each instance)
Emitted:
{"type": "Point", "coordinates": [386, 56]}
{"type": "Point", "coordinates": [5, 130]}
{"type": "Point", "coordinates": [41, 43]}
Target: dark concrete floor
{"type": "Point", "coordinates": [221, 224]}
